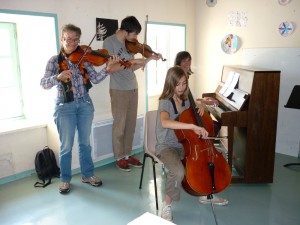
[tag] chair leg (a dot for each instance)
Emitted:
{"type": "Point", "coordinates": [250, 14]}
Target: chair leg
{"type": "Point", "coordinates": [155, 185]}
{"type": "Point", "coordinates": [142, 174]}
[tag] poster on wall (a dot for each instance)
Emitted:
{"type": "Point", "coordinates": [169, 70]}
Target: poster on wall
{"type": "Point", "coordinates": [105, 28]}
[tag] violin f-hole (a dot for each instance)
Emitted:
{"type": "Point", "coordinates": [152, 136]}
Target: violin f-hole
{"type": "Point", "coordinates": [196, 153]}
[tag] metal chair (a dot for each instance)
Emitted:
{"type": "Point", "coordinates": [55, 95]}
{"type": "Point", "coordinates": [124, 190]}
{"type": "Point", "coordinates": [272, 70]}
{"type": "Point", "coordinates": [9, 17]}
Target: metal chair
{"type": "Point", "coordinates": [149, 147]}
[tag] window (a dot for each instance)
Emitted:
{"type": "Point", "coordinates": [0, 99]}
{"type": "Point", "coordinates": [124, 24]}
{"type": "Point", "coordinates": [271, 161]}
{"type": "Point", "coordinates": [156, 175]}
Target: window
{"type": "Point", "coordinates": [167, 39]}
{"type": "Point", "coordinates": [10, 88]}
{"type": "Point", "coordinates": [28, 40]}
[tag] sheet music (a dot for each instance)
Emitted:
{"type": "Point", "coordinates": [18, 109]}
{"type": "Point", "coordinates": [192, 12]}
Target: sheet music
{"type": "Point", "coordinates": [237, 95]}
{"type": "Point", "coordinates": [227, 83]}
{"type": "Point", "coordinates": [228, 87]}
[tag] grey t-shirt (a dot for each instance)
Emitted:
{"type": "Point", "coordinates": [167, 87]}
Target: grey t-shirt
{"type": "Point", "coordinates": [124, 79]}
{"type": "Point", "coordinates": [166, 137]}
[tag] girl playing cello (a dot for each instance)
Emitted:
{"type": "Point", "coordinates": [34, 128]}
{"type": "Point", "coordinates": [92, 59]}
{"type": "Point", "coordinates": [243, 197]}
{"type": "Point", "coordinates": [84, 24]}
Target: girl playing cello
{"type": "Point", "coordinates": [172, 102]}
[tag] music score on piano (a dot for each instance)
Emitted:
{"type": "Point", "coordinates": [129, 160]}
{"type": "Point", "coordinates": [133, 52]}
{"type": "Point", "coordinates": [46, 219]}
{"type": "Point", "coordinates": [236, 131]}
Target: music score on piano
{"type": "Point", "coordinates": [230, 84]}
{"type": "Point", "coordinates": [230, 92]}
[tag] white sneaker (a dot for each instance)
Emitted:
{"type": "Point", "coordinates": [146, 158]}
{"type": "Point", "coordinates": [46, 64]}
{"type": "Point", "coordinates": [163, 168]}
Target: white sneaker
{"type": "Point", "coordinates": [166, 212]}
{"type": "Point", "coordinates": [215, 200]}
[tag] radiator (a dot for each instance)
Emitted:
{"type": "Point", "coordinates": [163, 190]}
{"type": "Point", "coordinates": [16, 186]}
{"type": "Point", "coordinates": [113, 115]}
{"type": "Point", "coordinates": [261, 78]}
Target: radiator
{"type": "Point", "coordinates": [102, 137]}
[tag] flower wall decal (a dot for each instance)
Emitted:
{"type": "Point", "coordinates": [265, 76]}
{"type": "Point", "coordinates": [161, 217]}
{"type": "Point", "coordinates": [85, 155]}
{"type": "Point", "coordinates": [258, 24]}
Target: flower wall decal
{"type": "Point", "coordinates": [286, 28]}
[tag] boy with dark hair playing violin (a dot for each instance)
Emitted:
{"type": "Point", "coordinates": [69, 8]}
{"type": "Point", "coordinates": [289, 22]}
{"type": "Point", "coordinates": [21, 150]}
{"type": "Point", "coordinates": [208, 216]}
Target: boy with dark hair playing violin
{"type": "Point", "coordinates": [74, 108]}
{"type": "Point", "coordinates": [172, 102]}
{"type": "Point", "coordinates": [124, 92]}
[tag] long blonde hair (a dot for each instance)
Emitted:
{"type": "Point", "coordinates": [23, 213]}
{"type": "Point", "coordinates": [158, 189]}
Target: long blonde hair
{"type": "Point", "coordinates": [174, 75]}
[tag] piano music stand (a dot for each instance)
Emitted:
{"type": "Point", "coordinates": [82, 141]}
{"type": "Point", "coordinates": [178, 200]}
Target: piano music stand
{"type": "Point", "coordinates": [294, 103]}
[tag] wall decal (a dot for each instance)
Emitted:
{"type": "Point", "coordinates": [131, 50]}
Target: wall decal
{"type": "Point", "coordinates": [229, 44]}
{"type": "Point", "coordinates": [237, 19]}
{"type": "Point", "coordinates": [105, 28]}
{"type": "Point", "coordinates": [211, 3]}
{"type": "Point", "coordinates": [286, 28]}
{"type": "Point", "coordinates": [284, 2]}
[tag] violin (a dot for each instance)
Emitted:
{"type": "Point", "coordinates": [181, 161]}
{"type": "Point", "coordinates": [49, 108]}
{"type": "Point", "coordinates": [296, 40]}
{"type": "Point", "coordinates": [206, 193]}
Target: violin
{"type": "Point", "coordinates": [94, 57]}
{"type": "Point", "coordinates": [135, 47]}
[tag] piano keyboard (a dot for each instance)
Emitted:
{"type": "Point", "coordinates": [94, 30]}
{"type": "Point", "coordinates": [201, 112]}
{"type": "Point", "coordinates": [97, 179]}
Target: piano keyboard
{"type": "Point", "coordinates": [216, 110]}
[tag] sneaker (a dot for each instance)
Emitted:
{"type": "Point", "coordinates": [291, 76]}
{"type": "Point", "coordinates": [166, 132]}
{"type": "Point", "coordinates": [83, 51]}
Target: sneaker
{"type": "Point", "coordinates": [134, 162]}
{"type": "Point", "coordinates": [122, 164]}
{"type": "Point", "coordinates": [215, 200]}
{"type": "Point", "coordinates": [94, 181]}
{"type": "Point", "coordinates": [64, 187]}
{"type": "Point", "coordinates": [166, 213]}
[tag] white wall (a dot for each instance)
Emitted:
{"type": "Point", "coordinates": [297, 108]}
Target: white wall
{"type": "Point", "coordinates": [17, 149]}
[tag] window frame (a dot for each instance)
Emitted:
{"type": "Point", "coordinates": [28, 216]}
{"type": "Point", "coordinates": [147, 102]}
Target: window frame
{"type": "Point", "coordinates": [10, 86]}
{"type": "Point", "coordinates": [162, 37]}
{"type": "Point", "coordinates": [34, 51]}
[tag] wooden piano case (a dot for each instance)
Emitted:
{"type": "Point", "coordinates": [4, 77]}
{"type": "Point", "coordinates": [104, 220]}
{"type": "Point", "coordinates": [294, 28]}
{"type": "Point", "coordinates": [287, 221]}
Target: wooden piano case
{"type": "Point", "coordinates": [251, 129]}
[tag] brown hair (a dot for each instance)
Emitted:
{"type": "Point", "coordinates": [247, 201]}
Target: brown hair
{"type": "Point", "coordinates": [174, 74]}
{"type": "Point", "coordinates": [70, 27]}
{"type": "Point", "coordinates": [182, 56]}
{"type": "Point", "coordinates": [131, 24]}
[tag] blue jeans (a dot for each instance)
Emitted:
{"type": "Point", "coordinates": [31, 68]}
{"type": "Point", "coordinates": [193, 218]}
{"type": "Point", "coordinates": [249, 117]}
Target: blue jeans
{"type": "Point", "coordinates": [68, 117]}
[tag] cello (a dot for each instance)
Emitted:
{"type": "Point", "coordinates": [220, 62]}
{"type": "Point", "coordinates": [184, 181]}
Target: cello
{"type": "Point", "coordinates": [206, 170]}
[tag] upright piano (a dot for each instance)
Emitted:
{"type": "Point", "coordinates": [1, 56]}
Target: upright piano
{"type": "Point", "coordinates": [248, 107]}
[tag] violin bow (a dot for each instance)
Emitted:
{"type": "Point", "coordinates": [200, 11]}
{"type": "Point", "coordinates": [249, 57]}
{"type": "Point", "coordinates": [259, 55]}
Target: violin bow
{"type": "Point", "coordinates": [213, 138]}
{"type": "Point", "coordinates": [145, 38]}
{"type": "Point", "coordinates": [85, 51]}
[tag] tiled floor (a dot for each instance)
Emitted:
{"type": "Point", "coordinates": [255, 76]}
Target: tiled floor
{"type": "Point", "coordinates": [120, 201]}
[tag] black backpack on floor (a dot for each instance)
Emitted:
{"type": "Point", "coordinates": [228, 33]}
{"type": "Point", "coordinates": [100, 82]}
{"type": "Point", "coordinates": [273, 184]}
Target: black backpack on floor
{"type": "Point", "coordinates": [46, 166]}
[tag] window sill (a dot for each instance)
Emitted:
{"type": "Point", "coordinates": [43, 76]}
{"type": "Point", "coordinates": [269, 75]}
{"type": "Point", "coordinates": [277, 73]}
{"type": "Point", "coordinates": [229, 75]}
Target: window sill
{"type": "Point", "coordinates": [20, 125]}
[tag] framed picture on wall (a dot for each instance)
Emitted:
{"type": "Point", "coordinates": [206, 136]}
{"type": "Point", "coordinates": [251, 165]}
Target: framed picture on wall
{"type": "Point", "coordinates": [105, 28]}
